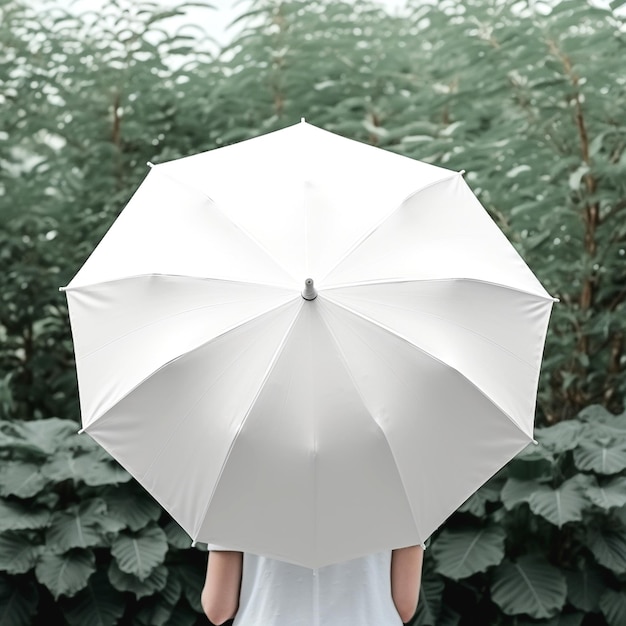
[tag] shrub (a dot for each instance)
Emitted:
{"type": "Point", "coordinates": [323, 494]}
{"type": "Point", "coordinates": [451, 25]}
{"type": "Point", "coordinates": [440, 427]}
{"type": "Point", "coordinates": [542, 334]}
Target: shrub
{"type": "Point", "coordinates": [544, 541]}
{"type": "Point", "coordinates": [81, 542]}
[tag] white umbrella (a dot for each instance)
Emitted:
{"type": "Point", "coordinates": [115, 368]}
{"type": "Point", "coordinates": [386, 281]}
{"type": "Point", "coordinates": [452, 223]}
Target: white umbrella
{"type": "Point", "coordinates": [318, 422]}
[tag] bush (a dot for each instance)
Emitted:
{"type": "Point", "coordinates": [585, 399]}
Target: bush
{"type": "Point", "coordinates": [544, 541]}
{"type": "Point", "coordinates": [80, 542]}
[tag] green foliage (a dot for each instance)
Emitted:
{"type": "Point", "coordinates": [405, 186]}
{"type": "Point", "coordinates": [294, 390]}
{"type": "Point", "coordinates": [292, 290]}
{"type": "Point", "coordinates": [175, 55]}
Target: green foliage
{"type": "Point", "coordinates": [562, 504]}
{"type": "Point", "coordinates": [548, 544]}
{"type": "Point", "coordinates": [86, 548]}
{"type": "Point", "coordinates": [139, 553]}
{"type": "Point", "coordinates": [65, 573]}
{"type": "Point", "coordinates": [98, 604]}
{"type": "Point", "coordinates": [17, 553]}
{"type": "Point", "coordinates": [466, 551]}
{"type": "Point", "coordinates": [526, 96]}
{"type": "Point", "coordinates": [527, 100]}
{"type": "Point", "coordinates": [529, 585]}
{"type": "Point", "coordinates": [613, 605]}
{"type": "Point", "coordinates": [18, 601]}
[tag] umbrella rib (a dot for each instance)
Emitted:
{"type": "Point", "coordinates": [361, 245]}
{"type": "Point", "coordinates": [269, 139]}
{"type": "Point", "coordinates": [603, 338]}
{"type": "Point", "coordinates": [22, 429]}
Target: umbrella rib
{"type": "Point", "coordinates": [390, 281]}
{"type": "Point", "coordinates": [102, 416]}
{"type": "Point", "coordinates": [378, 426]}
{"type": "Point", "coordinates": [230, 219]}
{"type": "Point", "coordinates": [190, 410]}
{"type": "Point", "coordinates": [386, 217]}
{"type": "Point", "coordinates": [432, 356]}
{"type": "Point", "coordinates": [443, 319]}
{"type": "Point", "coordinates": [171, 316]}
{"type": "Point", "coordinates": [264, 378]}
{"type": "Point", "coordinates": [167, 275]}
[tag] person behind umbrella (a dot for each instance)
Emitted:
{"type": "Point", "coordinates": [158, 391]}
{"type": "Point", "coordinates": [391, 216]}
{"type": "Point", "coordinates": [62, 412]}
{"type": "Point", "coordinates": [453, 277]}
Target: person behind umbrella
{"type": "Point", "coordinates": [379, 589]}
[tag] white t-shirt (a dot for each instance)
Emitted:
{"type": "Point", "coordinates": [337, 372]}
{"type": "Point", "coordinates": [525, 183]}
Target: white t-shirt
{"type": "Point", "coordinates": [274, 593]}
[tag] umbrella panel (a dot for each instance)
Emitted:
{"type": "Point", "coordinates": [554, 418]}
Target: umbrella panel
{"type": "Point", "coordinates": [310, 463]}
{"type": "Point", "coordinates": [304, 194]}
{"type": "Point", "coordinates": [330, 444]}
{"type": "Point", "coordinates": [174, 431]}
{"type": "Point", "coordinates": [489, 333]}
{"type": "Point", "coordinates": [155, 319]}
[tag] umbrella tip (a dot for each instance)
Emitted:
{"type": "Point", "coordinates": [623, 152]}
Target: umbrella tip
{"type": "Point", "coordinates": [302, 120]}
{"type": "Point", "coordinates": [309, 293]}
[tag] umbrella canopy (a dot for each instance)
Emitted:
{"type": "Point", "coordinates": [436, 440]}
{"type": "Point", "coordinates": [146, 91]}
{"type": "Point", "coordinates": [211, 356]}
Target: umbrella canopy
{"type": "Point", "coordinates": [308, 420]}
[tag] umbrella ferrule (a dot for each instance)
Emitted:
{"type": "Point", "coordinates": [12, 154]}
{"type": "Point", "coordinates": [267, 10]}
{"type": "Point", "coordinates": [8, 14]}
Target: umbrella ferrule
{"type": "Point", "coordinates": [309, 293]}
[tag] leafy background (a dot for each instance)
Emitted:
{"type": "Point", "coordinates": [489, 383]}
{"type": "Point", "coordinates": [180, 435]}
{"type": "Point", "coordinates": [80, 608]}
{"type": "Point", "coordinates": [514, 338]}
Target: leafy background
{"type": "Point", "coordinates": [527, 96]}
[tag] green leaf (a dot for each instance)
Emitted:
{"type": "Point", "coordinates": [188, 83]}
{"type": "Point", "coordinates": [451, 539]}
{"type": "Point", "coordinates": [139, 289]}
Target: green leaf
{"type": "Point", "coordinates": [561, 505]}
{"type": "Point", "coordinates": [176, 536]}
{"type": "Point", "coordinates": [139, 553]}
{"type": "Point", "coordinates": [577, 176]}
{"type": "Point", "coordinates": [584, 589]}
{"type": "Point", "coordinates": [18, 516]}
{"type": "Point", "coordinates": [565, 619]}
{"type": "Point", "coordinates": [569, 619]}
{"type": "Point", "coordinates": [37, 438]}
{"type": "Point", "coordinates": [613, 605]}
{"type": "Point", "coordinates": [449, 617]}
{"type": "Point", "coordinates": [91, 467]}
{"type": "Point", "coordinates": [464, 552]}
{"type": "Point", "coordinates": [65, 574]}
{"type": "Point", "coordinates": [607, 456]}
{"type": "Point", "coordinates": [132, 506]}
{"type": "Point", "coordinates": [517, 491]}
{"type": "Point", "coordinates": [18, 554]}
{"type": "Point", "coordinates": [79, 526]}
{"type": "Point", "coordinates": [122, 581]}
{"type": "Point", "coordinates": [476, 504]}
{"type": "Point", "coordinates": [611, 494]}
{"type": "Point", "coordinates": [532, 463]}
{"type": "Point", "coordinates": [529, 586]}
{"type": "Point", "coordinates": [376, 131]}
{"type": "Point", "coordinates": [561, 437]}
{"type": "Point", "coordinates": [49, 434]}
{"type": "Point", "coordinates": [98, 604]}
{"type": "Point", "coordinates": [192, 579]}
{"type": "Point", "coordinates": [18, 601]}
{"type": "Point", "coordinates": [430, 600]}
{"type": "Point", "coordinates": [156, 613]}
{"type": "Point", "coordinates": [594, 413]}
{"type": "Point", "coordinates": [183, 615]}
{"type": "Point", "coordinates": [609, 548]}
{"type": "Point", "coordinates": [105, 472]}
{"type": "Point", "coordinates": [21, 479]}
